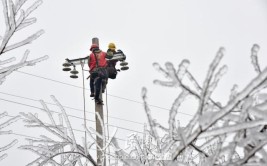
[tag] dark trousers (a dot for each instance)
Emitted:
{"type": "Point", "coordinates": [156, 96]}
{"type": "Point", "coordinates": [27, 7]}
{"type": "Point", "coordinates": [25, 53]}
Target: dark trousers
{"type": "Point", "coordinates": [98, 84]}
{"type": "Point", "coordinates": [95, 86]}
{"type": "Point", "coordinates": [92, 88]}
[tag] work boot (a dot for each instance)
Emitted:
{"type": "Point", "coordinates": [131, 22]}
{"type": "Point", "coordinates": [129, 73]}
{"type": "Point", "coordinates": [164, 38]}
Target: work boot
{"type": "Point", "coordinates": [99, 101]}
{"type": "Point", "coordinates": [92, 95]}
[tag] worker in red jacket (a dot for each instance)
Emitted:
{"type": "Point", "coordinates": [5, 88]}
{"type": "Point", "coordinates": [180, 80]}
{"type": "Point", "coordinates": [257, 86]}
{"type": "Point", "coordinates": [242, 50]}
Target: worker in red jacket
{"type": "Point", "coordinates": [98, 73]}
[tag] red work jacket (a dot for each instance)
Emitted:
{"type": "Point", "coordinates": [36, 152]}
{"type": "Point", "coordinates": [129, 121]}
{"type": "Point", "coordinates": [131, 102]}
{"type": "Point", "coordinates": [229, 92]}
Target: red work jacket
{"type": "Point", "coordinates": [101, 60]}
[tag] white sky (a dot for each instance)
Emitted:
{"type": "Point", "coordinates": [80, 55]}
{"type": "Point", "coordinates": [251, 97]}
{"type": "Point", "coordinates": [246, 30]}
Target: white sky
{"type": "Point", "coordinates": [147, 31]}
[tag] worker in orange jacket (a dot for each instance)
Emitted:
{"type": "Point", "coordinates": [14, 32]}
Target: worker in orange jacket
{"type": "Point", "coordinates": [98, 74]}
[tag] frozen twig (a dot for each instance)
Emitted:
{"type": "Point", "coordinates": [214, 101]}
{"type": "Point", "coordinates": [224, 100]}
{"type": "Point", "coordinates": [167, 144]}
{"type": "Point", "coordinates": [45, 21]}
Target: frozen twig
{"type": "Point", "coordinates": [254, 57]}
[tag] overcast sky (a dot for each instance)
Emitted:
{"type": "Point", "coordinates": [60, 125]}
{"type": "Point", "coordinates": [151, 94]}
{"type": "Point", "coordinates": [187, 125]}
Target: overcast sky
{"type": "Point", "coordinates": [147, 31]}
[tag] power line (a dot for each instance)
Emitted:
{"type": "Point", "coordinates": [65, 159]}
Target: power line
{"type": "Point", "coordinates": [22, 97]}
{"type": "Point", "coordinates": [107, 94]}
{"type": "Point", "coordinates": [68, 114]}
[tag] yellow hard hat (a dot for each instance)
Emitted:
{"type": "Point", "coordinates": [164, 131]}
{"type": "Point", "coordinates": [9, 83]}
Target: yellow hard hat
{"type": "Point", "coordinates": [112, 46]}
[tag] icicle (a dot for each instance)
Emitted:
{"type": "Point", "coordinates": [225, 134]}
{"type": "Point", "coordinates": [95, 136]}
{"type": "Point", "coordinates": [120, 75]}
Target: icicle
{"type": "Point", "coordinates": [233, 92]}
{"type": "Point", "coordinates": [25, 56]}
{"type": "Point", "coordinates": [254, 57]}
{"type": "Point", "coordinates": [182, 69]}
{"type": "Point", "coordinates": [217, 77]}
{"type": "Point", "coordinates": [161, 70]}
{"type": "Point", "coordinates": [164, 83]}
{"type": "Point", "coordinates": [172, 72]}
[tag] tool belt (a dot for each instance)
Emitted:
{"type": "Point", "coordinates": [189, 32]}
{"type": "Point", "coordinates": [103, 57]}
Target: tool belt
{"type": "Point", "coordinates": [99, 72]}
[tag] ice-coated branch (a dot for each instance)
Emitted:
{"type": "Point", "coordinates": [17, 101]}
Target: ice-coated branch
{"type": "Point", "coordinates": [233, 128]}
{"type": "Point", "coordinates": [33, 7]}
{"type": "Point", "coordinates": [4, 72]}
{"type": "Point", "coordinates": [175, 81]}
{"type": "Point", "coordinates": [149, 116]}
{"type": "Point", "coordinates": [19, 4]}
{"type": "Point", "coordinates": [62, 153]}
{"type": "Point", "coordinates": [2, 126]}
{"type": "Point", "coordinates": [254, 57]}
{"type": "Point", "coordinates": [123, 156]}
{"type": "Point", "coordinates": [2, 157]}
{"type": "Point", "coordinates": [15, 21]}
{"type": "Point", "coordinates": [9, 122]}
{"type": "Point", "coordinates": [24, 42]}
{"type": "Point", "coordinates": [252, 152]}
{"type": "Point", "coordinates": [47, 147]}
{"type": "Point", "coordinates": [260, 79]}
{"type": "Point", "coordinates": [173, 112]}
{"type": "Point", "coordinates": [206, 91]}
{"type": "Point", "coordinates": [160, 69]}
{"type": "Point", "coordinates": [12, 25]}
{"type": "Point", "coordinates": [5, 11]}
{"type": "Point", "coordinates": [48, 112]}
{"type": "Point", "coordinates": [240, 125]}
{"type": "Point", "coordinates": [3, 114]}
{"type": "Point", "coordinates": [9, 60]}
{"type": "Point", "coordinates": [74, 144]}
{"type": "Point", "coordinates": [8, 146]}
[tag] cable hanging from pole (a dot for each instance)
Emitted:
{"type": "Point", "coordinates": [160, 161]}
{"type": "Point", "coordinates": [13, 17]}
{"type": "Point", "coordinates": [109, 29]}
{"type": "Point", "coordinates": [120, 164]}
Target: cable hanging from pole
{"type": "Point", "coordinates": [107, 120]}
{"type": "Point", "coordinates": [84, 112]}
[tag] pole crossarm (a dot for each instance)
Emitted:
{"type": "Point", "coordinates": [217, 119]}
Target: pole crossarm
{"type": "Point", "coordinates": [77, 61]}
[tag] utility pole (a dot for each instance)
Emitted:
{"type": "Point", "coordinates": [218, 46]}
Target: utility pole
{"type": "Point", "coordinates": [100, 125]}
{"type": "Point", "coordinates": [99, 129]}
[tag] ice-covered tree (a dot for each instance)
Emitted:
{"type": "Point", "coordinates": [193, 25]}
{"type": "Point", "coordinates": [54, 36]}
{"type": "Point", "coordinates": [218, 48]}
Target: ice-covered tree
{"type": "Point", "coordinates": [59, 146]}
{"type": "Point", "coordinates": [4, 123]}
{"type": "Point", "coordinates": [234, 134]}
{"type": "Point", "coordinates": [16, 16]}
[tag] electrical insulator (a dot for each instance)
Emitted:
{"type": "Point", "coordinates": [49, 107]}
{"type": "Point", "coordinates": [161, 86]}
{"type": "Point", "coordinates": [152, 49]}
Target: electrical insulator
{"type": "Point", "coordinates": [66, 66]}
{"type": "Point", "coordinates": [124, 68]}
{"type": "Point", "coordinates": [73, 76]}
{"type": "Point", "coordinates": [66, 69]}
{"type": "Point", "coordinates": [74, 71]}
{"type": "Point", "coordinates": [124, 65]}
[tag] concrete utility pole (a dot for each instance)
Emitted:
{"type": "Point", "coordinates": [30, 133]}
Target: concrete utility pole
{"type": "Point", "coordinates": [99, 129]}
